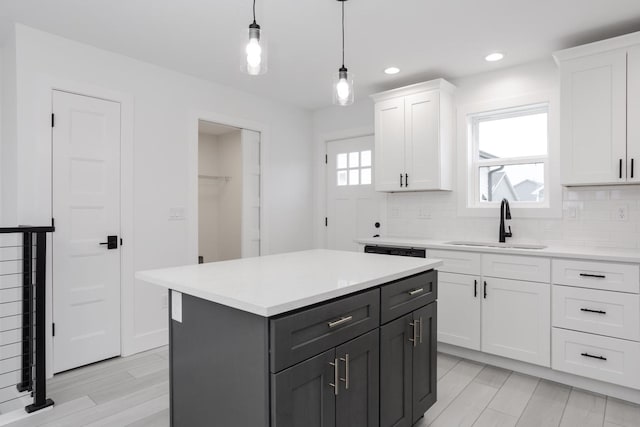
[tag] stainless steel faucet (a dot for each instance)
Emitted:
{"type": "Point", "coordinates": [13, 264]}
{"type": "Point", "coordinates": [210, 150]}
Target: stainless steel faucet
{"type": "Point", "coordinates": [505, 213]}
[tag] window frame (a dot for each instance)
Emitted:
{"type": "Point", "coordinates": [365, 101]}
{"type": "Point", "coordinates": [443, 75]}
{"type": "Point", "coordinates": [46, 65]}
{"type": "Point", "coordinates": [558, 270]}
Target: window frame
{"type": "Point", "coordinates": [465, 179]}
{"type": "Point", "coordinates": [475, 119]}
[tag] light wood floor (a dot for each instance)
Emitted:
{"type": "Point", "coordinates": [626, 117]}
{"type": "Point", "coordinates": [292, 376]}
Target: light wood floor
{"type": "Point", "coordinates": [134, 391]}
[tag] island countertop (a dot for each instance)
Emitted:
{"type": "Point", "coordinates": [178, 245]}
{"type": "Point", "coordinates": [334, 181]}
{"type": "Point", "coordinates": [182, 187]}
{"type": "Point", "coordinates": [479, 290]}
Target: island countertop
{"type": "Point", "coordinates": [274, 284]}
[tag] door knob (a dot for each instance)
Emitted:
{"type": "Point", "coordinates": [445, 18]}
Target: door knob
{"type": "Point", "coordinates": [112, 242]}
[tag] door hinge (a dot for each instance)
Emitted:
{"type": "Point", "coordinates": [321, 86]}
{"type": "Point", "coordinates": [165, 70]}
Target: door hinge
{"type": "Point", "coordinates": [121, 241]}
{"type": "Point", "coordinates": [53, 222]}
{"type": "Point", "coordinates": [53, 329]}
{"type": "Point", "coordinates": [326, 159]}
{"type": "Point", "coordinates": [326, 221]}
{"type": "Point", "coordinates": [53, 120]}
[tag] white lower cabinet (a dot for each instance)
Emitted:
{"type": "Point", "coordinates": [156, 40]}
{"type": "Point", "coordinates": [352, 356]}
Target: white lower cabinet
{"type": "Point", "coordinates": [516, 320]}
{"type": "Point", "coordinates": [459, 297]}
{"type": "Point", "coordinates": [602, 358]}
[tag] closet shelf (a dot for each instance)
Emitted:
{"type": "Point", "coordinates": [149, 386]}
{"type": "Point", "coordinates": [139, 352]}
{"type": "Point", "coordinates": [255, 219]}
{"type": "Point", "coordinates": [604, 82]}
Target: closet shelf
{"type": "Point", "coordinates": [216, 177]}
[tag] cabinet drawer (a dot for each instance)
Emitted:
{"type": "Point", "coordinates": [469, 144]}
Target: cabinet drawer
{"type": "Point", "coordinates": [408, 294]}
{"type": "Point", "coordinates": [597, 275]}
{"type": "Point", "coordinates": [600, 312]}
{"type": "Point", "coordinates": [531, 269]}
{"type": "Point", "coordinates": [594, 356]}
{"type": "Point", "coordinates": [457, 262]}
{"type": "Point", "coordinates": [298, 336]}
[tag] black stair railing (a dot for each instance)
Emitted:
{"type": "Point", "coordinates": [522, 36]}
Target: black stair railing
{"type": "Point", "coordinates": [23, 260]}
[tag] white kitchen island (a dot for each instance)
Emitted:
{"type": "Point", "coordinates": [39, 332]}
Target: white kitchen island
{"type": "Point", "coordinates": [318, 337]}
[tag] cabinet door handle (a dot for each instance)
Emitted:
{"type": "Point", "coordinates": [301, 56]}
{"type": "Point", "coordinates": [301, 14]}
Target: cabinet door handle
{"type": "Point", "coordinates": [345, 359]}
{"type": "Point", "coordinates": [414, 340]}
{"type": "Point", "coordinates": [597, 276]}
{"type": "Point", "coordinates": [620, 169]}
{"type": "Point", "coordinates": [406, 179]}
{"type": "Point", "coordinates": [475, 288]}
{"type": "Point", "coordinates": [593, 357]}
{"type": "Point", "coordinates": [420, 329]}
{"type": "Point", "coordinates": [339, 321]}
{"type": "Point", "coordinates": [631, 168]}
{"type": "Point", "coordinates": [416, 291]}
{"type": "Point", "coordinates": [588, 310]}
{"type": "Point", "coordinates": [400, 180]}
{"type": "Point", "coordinates": [485, 289]}
{"type": "Point", "coordinates": [336, 374]}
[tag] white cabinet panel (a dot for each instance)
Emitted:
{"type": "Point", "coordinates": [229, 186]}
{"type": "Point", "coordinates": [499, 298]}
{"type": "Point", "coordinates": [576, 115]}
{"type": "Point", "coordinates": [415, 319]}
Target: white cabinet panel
{"type": "Point", "coordinates": [457, 262]}
{"type": "Point", "coordinates": [601, 358]}
{"type": "Point", "coordinates": [422, 148]}
{"type": "Point", "coordinates": [633, 114]}
{"type": "Point", "coordinates": [597, 275]}
{"type": "Point", "coordinates": [389, 144]}
{"type": "Point", "coordinates": [535, 269]}
{"type": "Point", "coordinates": [594, 97]}
{"type": "Point", "coordinates": [613, 314]}
{"type": "Point", "coordinates": [516, 320]}
{"type": "Point", "coordinates": [459, 299]}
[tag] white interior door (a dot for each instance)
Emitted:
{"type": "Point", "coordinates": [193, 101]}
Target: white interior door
{"type": "Point", "coordinates": [250, 193]}
{"type": "Point", "coordinates": [86, 208]}
{"type": "Point", "coordinates": [353, 205]}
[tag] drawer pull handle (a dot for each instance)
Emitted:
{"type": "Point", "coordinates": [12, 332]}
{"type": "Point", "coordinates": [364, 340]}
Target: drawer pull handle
{"type": "Point", "coordinates": [414, 340]}
{"type": "Point", "coordinates": [416, 291]}
{"type": "Point", "coordinates": [340, 321]}
{"type": "Point", "coordinates": [335, 384]}
{"type": "Point", "coordinates": [597, 276]}
{"type": "Point", "coordinates": [593, 357]}
{"type": "Point", "coordinates": [588, 310]}
{"type": "Point", "coordinates": [345, 359]}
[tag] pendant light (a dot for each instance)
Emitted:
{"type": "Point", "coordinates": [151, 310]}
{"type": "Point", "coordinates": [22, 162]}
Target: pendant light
{"type": "Point", "coordinates": [343, 81]}
{"type": "Point", "coordinates": [255, 51]}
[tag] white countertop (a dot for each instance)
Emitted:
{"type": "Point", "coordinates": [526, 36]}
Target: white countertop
{"type": "Point", "coordinates": [275, 284]}
{"type": "Point", "coordinates": [598, 254]}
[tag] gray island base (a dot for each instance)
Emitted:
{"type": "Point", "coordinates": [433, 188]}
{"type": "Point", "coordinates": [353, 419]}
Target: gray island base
{"type": "Point", "coordinates": [365, 359]}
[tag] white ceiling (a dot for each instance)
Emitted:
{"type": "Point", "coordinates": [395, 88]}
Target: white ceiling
{"type": "Point", "coordinates": [425, 38]}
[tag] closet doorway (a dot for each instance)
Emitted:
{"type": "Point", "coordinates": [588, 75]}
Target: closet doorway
{"type": "Point", "coordinates": [228, 192]}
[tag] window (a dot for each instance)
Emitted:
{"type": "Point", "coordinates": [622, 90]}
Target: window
{"type": "Point", "coordinates": [509, 156]}
{"type": "Point", "coordinates": [354, 168]}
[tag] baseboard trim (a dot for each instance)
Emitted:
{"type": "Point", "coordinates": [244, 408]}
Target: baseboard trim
{"type": "Point", "coordinates": [595, 386]}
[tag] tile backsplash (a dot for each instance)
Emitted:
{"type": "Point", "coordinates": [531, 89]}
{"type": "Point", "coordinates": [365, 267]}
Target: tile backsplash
{"type": "Point", "coordinates": [591, 216]}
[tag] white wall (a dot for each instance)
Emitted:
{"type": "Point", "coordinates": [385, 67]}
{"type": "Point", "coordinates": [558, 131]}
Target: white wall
{"type": "Point", "coordinates": [8, 143]}
{"type": "Point", "coordinates": [164, 103]}
{"type": "Point", "coordinates": [593, 224]}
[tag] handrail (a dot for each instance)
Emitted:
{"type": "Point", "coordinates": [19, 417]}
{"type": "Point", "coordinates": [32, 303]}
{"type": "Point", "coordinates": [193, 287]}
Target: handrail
{"type": "Point", "coordinates": [32, 323]}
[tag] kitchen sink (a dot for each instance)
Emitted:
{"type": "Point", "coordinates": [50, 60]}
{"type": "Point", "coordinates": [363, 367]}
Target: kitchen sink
{"type": "Point", "coordinates": [496, 245]}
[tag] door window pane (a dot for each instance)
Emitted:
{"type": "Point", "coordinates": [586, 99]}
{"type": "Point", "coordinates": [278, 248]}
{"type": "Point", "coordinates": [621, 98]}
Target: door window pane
{"type": "Point", "coordinates": [523, 183]}
{"type": "Point", "coordinates": [353, 160]}
{"type": "Point", "coordinates": [365, 158]}
{"type": "Point", "coordinates": [365, 178]}
{"type": "Point", "coordinates": [342, 178]}
{"type": "Point", "coordinates": [354, 176]}
{"type": "Point", "coordinates": [341, 161]}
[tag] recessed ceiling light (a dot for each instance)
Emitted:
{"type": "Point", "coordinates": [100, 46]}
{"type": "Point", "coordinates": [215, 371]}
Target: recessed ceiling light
{"type": "Point", "coordinates": [392, 70]}
{"type": "Point", "coordinates": [493, 57]}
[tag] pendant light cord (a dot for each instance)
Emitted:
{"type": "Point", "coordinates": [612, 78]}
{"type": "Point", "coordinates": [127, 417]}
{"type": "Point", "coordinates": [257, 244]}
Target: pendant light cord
{"type": "Point", "coordinates": [254, 11]}
{"type": "Point", "coordinates": [342, 33]}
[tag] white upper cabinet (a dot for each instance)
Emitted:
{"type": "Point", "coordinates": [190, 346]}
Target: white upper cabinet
{"type": "Point", "coordinates": [600, 84]}
{"type": "Point", "coordinates": [413, 128]}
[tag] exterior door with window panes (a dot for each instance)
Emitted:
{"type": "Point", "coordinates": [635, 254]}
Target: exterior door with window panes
{"type": "Point", "coordinates": [353, 205]}
{"type": "Point", "coordinates": [509, 157]}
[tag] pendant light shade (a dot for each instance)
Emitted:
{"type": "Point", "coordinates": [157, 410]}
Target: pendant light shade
{"type": "Point", "coordinates": [254, 54]}
{"type": "Point", "coordinates": [343, 80]}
